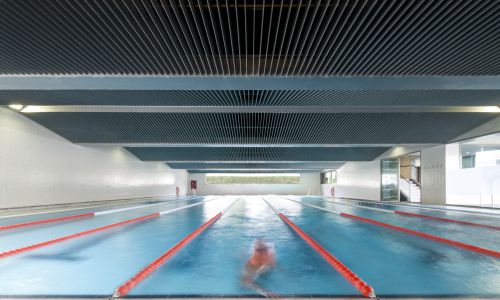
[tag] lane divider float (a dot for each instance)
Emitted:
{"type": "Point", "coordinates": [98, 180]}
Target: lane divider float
{"type": "Point", "coordinates": [365, 289]}
{"type": "Point", "coordinates": [81, 208]}
{"type": "Point", "coordinates": [476, 213]}
{"type": "Point", "coordinates": [406, 214]}
{"type": "Point", "coordinates": [91, 231]}
{"type": "Point", "coordinates": [422, 216]}
{"type": "Point", "coordinates": [408, 231]}
{"type": "Point", "coordinates": [46, 221]}
{"type": "Point", "coordinates": [126, 287]}
{"type": "Point", "coordinates": [82, 216]}
{"type": "Point", "coordinates": [427, 236]}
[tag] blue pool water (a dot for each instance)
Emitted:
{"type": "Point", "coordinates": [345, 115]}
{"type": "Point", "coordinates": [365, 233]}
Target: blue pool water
{"type": "Point", "coordinates": [394, 263]}
{"type": "Point", "coordinates": [487, 218]}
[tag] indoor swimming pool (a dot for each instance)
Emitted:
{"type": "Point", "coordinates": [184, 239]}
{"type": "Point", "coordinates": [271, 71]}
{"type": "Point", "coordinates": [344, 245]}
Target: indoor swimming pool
{"type": "Point", "coordinates": [393, 263]}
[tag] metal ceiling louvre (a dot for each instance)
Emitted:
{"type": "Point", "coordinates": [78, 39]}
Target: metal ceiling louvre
{"type": "Point", "coordinates": [253, 97]}
{"type": "Point", "coordinates": [261, 128]}
{"type": "Point", "coordinates": [257, 153]}
{"type": "Point", "coordinates": [256, 165]}
{"type": "Point", "coordinates": [250, 37]}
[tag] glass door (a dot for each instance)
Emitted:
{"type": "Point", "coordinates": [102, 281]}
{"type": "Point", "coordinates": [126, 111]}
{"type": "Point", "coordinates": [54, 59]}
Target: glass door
{"type": "Point", "coordinates": [389, 189]}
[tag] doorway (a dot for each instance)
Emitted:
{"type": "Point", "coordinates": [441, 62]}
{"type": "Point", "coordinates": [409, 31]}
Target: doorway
{"type": "Point", "coordinates": [410, 177]}
{"type": "Point", "coordinates": [401, 178]}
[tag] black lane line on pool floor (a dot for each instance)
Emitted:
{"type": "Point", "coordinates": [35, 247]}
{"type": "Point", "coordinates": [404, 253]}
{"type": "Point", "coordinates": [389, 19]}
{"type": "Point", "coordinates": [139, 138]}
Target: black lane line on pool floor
{"type": "Point", "coordinates": [446, 241]}
{"type": "Point", "coordinates": [364, 289]}
{"type": "Point", "coordinates": [126, 287]}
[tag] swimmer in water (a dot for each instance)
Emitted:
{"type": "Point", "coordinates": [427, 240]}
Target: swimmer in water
{"type": "Point", "coordinates": [262, 259]}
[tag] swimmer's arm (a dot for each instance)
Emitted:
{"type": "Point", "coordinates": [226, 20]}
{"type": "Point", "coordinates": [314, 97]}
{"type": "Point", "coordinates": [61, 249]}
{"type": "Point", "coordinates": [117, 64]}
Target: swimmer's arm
{"type": "Point", "coordinates": [272, 261]}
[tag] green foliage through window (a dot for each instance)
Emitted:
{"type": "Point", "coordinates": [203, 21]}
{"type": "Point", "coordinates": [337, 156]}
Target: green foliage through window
{"type": "Point", "coordinates": [258, 178]}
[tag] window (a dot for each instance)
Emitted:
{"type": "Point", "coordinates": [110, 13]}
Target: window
{"type": "Point", "coordinates": [329, 177]}
{"type": "Point", "coordinates": [468, 161]}
{"type": "Point", "coordinates": [480, 152]}
{"type": "Point", "coordinates": [253, 178]}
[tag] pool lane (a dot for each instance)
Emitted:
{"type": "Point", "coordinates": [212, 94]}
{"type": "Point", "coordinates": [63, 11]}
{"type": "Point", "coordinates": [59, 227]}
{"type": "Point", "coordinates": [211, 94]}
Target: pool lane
{"type": "Point", "coordinates": [488, 219]}
{"type": "Point", "coordinates": [394, 263]}
{"type": "Point", "coordinates": [212, 264]}
{"type": "Point", "coordinates": [470, 209]}
{"type": "Point", "coordinates": [21, 237]}
{"type": "Point", "coordinates": [482, 237]}
{"type": "Point", "coordinates": [29, 217]}
{"type": "Point", "coordinates": [97, 264]}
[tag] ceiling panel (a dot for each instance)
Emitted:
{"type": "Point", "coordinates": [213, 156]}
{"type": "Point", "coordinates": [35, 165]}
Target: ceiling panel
{"type": "Point", "coordinates": [277, 38]}
{"type": "Point", "coordinates": [256, 153]}
{"type": "Point", "coordinates": [261, 128]}
{"type": "Point", "coordinates": [257, 166]}
{"type": "Point", "coordinates": [253, 97]}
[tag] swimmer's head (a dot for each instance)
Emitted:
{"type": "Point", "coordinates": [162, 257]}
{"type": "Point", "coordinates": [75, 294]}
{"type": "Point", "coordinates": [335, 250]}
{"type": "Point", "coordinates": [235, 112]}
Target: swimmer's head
{"type": "Point", "coordinates": [260, 246]}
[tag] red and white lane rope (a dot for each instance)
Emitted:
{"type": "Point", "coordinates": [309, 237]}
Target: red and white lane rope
{"type": "Point", "coordinates": [414, 215]}
{"type": "Point", "coordinates": [364, 288]}
{"type": "Point", "coordinates": [126, 287]}
{"type": "Point", "coordinates": [82, 216]}
{"type": "Point", "coordinates": [55, 210]}
{"type": "Point", "coordinates": [91, 231]}
{"type": "Point", "coordinates": [408, 231]}
{"type": "Point", "coordinates": [46, 221]}
{"type": "Point", "coordinates": [406, 214]}
{"type": "Point", "coordinates": [422, 207]}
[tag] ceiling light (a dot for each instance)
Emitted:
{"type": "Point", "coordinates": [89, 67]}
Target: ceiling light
{"type": "Point", "coordinates": [32, 109]}
{"type": "Point", "coordinates": [16, 106]}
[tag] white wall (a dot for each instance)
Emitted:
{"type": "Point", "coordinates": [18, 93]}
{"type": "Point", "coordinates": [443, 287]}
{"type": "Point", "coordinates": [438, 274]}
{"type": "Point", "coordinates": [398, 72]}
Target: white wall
{"type": "Point", "coordinates": [306, 180]}
{"type": "Point", "coordinates": [478, 186]}
{"type": "Point", "coordinates": [361, 180]}
{"type": "Point", "coordinates": [358, 180]}
{"type": "Point", "coordinates": [433, 168]}
{"type": "Point", "coordinates": [38, 167]}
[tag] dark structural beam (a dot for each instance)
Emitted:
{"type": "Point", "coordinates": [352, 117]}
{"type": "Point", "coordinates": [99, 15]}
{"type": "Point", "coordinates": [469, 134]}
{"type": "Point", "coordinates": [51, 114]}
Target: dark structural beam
{"type": "Point", "coordinates": [105, 82]}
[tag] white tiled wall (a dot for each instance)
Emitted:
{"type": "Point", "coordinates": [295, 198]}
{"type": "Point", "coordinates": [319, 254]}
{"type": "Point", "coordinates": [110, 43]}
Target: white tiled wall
{"type": "Point", "coordinates": [359, 180]}
{"type": "Point", "coordinates": [433, 175]}
{"type": "Point", "coordinates": [38, 167]}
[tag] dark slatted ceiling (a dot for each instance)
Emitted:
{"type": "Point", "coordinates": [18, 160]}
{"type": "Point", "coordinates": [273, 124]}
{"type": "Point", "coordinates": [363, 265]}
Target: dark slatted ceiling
{"type": "Point", "coordinates": [230, 37]}
{"type": "Point", "coordinates": [256, 153]}
{"type": "Point", "coordinates": [261, 128]}
{"type": "Point", "coordinates": [310, 38]}
{"type": "Point", "coordinates": [254, 97]}
{"type": "Point", "coordinates": [257, 166]}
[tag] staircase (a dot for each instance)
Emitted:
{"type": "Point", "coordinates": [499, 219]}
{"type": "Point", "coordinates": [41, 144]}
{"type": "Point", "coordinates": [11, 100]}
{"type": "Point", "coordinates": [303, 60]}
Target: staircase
{"type": "Point", "coordinates": [409, 190]}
